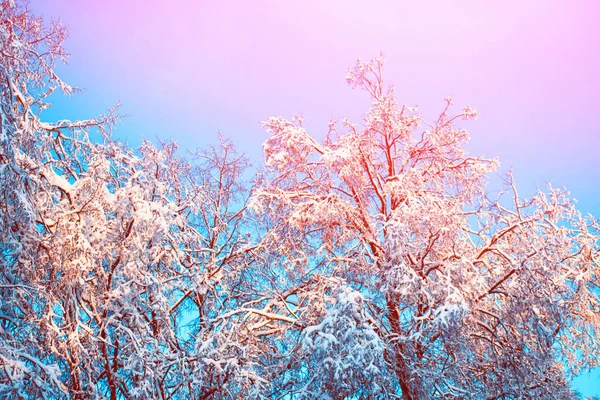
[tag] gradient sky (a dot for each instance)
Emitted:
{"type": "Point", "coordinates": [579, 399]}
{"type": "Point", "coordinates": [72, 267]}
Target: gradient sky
{"type": "Point", "coordinates": [186, 69]}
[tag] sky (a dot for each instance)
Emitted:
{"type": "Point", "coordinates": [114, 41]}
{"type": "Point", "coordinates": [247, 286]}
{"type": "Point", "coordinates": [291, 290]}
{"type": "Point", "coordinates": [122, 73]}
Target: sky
{"type": "Point", "coordinates": [187, 70]}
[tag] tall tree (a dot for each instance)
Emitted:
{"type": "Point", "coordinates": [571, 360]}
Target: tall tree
{"type": "Point", "coordinates": [123, 272]}
{"type": "Point", "coordinates": [455, 295]}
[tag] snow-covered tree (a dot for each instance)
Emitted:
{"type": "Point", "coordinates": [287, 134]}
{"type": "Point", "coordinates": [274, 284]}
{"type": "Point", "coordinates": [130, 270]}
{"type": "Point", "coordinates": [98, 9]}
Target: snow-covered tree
{"type": "Point", "coordinates": [466, 296]}
{"type": "Point", "coordinates": [122, 272]}
{"type": "Point", "coordinates": [346, 354]}
{"type": "Point", "coordinates": [371, 265]}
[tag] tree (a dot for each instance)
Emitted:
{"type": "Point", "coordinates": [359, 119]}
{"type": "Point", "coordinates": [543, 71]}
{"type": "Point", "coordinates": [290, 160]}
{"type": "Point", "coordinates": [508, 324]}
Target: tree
{"type": "Point", "coordinates": [470, 297]}
{"type": "Point", "coordinates": [369, 266]}
{"type": "Point", "coordinates": [122, 272]}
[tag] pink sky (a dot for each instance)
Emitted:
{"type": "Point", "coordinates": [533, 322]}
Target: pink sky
{"type": "Point", "coordinates": [186, 69]}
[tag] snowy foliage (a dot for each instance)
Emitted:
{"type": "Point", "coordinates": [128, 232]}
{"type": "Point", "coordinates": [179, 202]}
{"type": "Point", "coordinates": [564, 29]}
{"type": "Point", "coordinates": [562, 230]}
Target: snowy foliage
{"type": "Point", "coordinates": [346, 352]}
{"type": "Point", "coordinates": [472, 297]}
{"type": "Point", "coordinates": [371, 265]}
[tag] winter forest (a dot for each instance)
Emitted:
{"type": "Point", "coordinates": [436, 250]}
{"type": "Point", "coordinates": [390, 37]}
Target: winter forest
{"type": "Point", "coordinates": [372, 264]}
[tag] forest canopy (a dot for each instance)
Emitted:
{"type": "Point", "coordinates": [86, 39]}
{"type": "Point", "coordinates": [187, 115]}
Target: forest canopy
{"type": "Point", "coordinates": [370, 264]}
